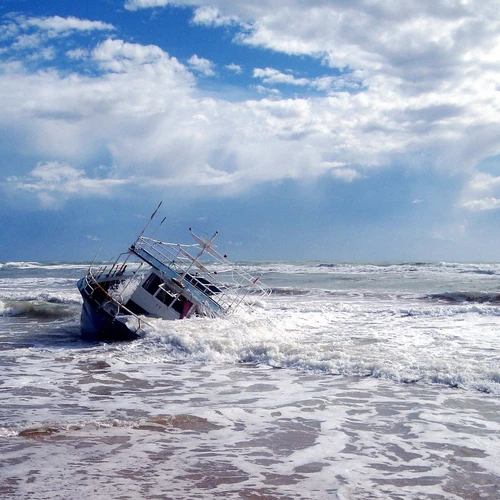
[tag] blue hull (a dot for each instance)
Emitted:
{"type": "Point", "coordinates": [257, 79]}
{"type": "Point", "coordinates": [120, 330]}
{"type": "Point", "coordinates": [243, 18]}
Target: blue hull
{"type": "Point", "coordinates": [97, 324]}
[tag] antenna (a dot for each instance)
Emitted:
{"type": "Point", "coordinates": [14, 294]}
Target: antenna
{"type": "Point", "coordinates": [95, 256]}
{"type": "Point", "coordinates": [158, 226]}
{"type": "Point", "coordinates": [150, 219]}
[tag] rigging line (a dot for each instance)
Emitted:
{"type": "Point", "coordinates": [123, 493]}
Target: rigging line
{"type": "Point", "coordinates": [150, 219]}
{"type": "Point", "coordinates": [158, 227]}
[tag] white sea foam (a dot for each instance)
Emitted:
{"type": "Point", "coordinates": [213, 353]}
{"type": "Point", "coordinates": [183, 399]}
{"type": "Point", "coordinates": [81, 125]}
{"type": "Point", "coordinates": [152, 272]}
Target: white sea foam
{"type": "Point", "coordinates": [44, 265]}
{"type": "Point", "coordinates": [341, 339]}
{"type": "Point", "coordinates": [236, 429]}
{"type": "Point", "coordinates": [353, 381]}
{"type": "Point", "coordinates": [124, 290]}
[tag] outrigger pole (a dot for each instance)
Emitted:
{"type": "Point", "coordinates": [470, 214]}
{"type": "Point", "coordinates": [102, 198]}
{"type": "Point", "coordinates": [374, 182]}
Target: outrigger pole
{"type": "Point", "coordinates": [150, 219]}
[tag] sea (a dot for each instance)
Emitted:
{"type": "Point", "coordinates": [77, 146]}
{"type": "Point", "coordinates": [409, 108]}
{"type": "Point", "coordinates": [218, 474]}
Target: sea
{"type": "Point", "coordinates": [350, 381]}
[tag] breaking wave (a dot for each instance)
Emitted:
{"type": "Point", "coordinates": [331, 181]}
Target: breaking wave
{"type": "Point", "coordinates": [279, 342]}
{"type": "Point", "coordinates": [43, 265]}
{"type": "Point", "coordinates": [289, 291]}
{"type": "Point", "coordinates": [457, 297]}
{"type": "Point", "coordinates": [37, 309]}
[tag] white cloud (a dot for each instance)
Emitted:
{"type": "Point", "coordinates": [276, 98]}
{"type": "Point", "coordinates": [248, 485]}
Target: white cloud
{"type": "Point", "coordinates": [423, 73]}
{"type": "Point", "coordinates": [273, 76]}
{"type": "Point", "coordinates": [346, 174]}
{"type": "Point", "coordinates": [235, 68]}
{"type": "Point", "coordinates": [482, 182]}
{"type": "Point", "coordinates": [53, 182]}
{"type": "Point", "coordinates": [39, 39]}
{"type": "Point", "coordinates": [201, 65]}
{"type": "Point", "coordinates": [145, 4]}
{"type": "Point", "coordinates": [118, 56]}
{"type": "Point", "coordinates": [31, 31]}
{"type": "Point", "coordinates": [482, 205]}
{"type": "Point", "coordinates": [481, 193]}
{"type": "Point", "coordinates": [211, 16]}
{"type": "Point", "coordinates": [328, 84]}
{"type": "Point", "coordinates": [58, 25]}
{"type": "Point", "coordinates": [77, 54]}
{"type": "Point", "coordinates": [340, 171]}
{"type": "Point", "coordinates": [261, 89]}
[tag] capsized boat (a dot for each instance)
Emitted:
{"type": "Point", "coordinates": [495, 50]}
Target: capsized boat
{"type": "Point", "coordinates": [164, 280]}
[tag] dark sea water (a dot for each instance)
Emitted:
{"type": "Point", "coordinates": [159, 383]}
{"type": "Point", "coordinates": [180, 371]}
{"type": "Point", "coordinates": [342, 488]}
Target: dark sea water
{"type": "Point", "coordinates": [351, 381]}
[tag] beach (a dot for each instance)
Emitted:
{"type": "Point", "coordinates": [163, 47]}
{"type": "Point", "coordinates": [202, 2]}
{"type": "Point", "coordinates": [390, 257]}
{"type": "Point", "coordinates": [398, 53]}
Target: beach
{"type": "Point", "coordinates": [351, 381]}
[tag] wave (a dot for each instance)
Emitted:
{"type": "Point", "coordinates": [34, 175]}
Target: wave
{"type": "Point", "coordinates": [67, 297]}
{"type": "Point", "coordinates": [374, 264]}
{"type": "Point", "coordinates": [35, 309]}
{"type": "Point", "coordinates": [460, 297]}
{"type": "Point", "coordinates": [307, 341]}
{"type": "Point", "coordinates": [487, 272]}
{"type": "Point", "coordinates": [412, 267]}
{"type": "Point", "coordinates": [43, 265]}
{"type": "Point", "coordinates": [289, 291]}
{"type": "Point", "coordinates": [21, 265]}
{"type": "Point", "coordinates": [183, 349]}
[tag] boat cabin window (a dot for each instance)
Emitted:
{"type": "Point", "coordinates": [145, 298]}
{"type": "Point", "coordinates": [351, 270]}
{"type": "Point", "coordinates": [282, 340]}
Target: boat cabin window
{"type": "Point", "coordinates": [152, 284]}
{"type": "Point", "coordinates": [170, 300]}
{"type": "Point", "coordinates": [165, 296]}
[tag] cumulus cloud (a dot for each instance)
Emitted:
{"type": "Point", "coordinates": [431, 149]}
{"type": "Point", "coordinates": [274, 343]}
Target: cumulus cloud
{"type": "Point", "coordinates": [483, 204]}
{"type": "Point", "coordinates": [270, 75]}
{"type": "Point", "coordinates": [26, 32]}
{"type": "Point", "coordinates": [481, 193]}
{"type": "Point", "coordinates": [235, 68]}
{"type": "Point", "coordinates": [120, 57]}
{"type": "Point", "coordinates": [268, 91]}
{"type": "Point", "coordinates": [201, 65]}
{"type": "Point", "coordinates": [39, 39]}
{"type": "Point", "coordinates": [328, 84]}
{"type": "Point", "coordinates": [53, 182]}
{"type": "Point", "coordinates": [57, 25]}
{"type": "Point", "coordinates": [401, 81]}
{"type": "Point", "coordinates": [145, 4]}
{"type": "Point", "coordinates": [211, 16]}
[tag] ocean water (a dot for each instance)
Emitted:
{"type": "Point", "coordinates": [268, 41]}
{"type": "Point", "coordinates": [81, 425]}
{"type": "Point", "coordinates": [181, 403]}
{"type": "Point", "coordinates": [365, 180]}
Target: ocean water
{"type": "Point", "coordinates": [351, 381]}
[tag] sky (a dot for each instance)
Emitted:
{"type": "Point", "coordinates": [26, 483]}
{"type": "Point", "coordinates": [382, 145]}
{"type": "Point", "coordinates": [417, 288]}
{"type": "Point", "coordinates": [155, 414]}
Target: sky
{"type": "Point", "coordinates": [329, 130]}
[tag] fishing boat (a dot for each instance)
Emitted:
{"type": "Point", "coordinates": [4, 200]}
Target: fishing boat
{"type": "Point", "coordinates": [157, 279]}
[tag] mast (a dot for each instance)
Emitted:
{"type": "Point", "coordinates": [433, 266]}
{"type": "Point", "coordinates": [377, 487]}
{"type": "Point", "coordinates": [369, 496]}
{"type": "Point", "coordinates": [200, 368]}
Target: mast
{"type": "Point", "coordinates": [205, 246]}
{"type": "Point", "coordinates": [147, 225]}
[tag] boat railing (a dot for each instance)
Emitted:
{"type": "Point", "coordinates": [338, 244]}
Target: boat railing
{"type": "Point", "coordinates": [112, 304]}
{"type": "Point", "coordinates": [117, 307]}
{"type": "Point", "coordinates": [220, 282]}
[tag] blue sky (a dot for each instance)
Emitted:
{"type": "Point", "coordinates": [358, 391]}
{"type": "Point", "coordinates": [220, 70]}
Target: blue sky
{"type": "Point", "coordinates": [365, 130]}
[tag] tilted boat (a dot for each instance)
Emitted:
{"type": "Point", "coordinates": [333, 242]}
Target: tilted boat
{"type": "Point", "coordinates": [164, 280]}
